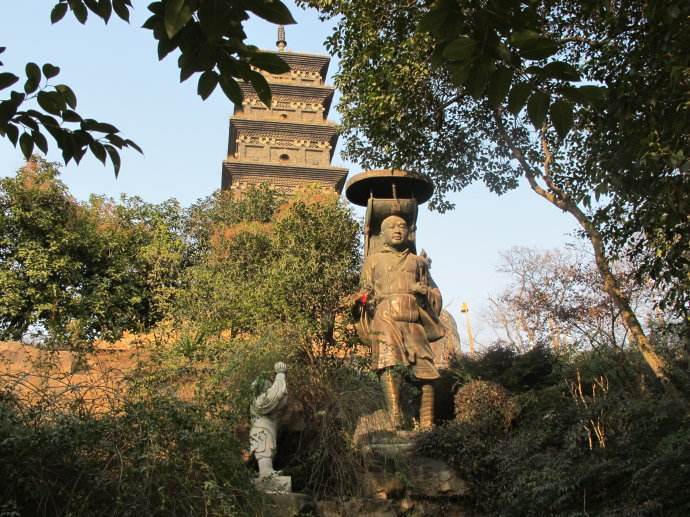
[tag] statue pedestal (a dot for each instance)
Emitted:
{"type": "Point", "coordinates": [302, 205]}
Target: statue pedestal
{"type": "Point", "coordinates": [274, 484]}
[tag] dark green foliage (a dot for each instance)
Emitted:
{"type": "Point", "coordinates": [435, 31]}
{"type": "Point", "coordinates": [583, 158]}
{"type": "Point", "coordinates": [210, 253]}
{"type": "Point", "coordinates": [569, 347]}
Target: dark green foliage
{"type": "Point", "coordinates": [517, 372]}
{"type": "Point", "coordinates": [552, 462]}
{"type": "Point", "coordinates": [154, 457]}
{"type": "Point", "coordinates": [590, 99]}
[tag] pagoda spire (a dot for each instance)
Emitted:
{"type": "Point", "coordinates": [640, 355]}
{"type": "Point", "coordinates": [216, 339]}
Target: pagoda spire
{"type": "Point", "coordinates": [281, 43]}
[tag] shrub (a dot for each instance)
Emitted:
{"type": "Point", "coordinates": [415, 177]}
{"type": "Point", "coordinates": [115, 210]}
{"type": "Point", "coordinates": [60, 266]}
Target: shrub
{"type": "Point", "coordinates": [485, 405]}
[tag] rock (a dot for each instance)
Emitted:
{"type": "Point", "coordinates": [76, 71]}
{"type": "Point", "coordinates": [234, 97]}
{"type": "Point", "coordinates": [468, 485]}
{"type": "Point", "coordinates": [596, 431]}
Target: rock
{"type": "Point", "coordinates": [288, 505]}
{"type": "Point", "coordinates": [434, 478]}
{"type": "Point", "coordinates": [358, 507]}
{"type": "Point", "coordinates": [372, 427]}
{"type": "Point", "coordinates": [378, 508]}
{"type": "Point", "coordinates": [274, 484]}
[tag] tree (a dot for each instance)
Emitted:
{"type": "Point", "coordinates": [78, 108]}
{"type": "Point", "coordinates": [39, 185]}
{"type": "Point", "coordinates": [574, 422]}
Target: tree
{"type": "Point", "coordinates": [501, 90]}
{"type": "Point", "coordinates": [554, 298]}
{"type": "Point", "coordinates": [261, 260]}
{"type": "Point", "coordinates": [209, 36]}
{"type": "Point", "coordinates": [78, 271]}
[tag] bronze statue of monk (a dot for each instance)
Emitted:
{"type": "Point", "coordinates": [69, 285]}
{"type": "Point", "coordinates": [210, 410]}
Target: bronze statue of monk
{"type": "Point", "coordinates": [402, 305]}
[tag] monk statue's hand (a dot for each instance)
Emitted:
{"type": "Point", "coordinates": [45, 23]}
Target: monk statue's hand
{"type": "Point", "coordinates": [280, 367]}
{"type": "Point", "coordinates": [419, 288]}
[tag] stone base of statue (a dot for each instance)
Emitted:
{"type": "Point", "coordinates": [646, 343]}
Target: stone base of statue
{"type": "Point", "coordinates": [398, 481]}
{"type": "Point", "coordinates": [274, 484]}
{"type": "Point", "coordinates": [289, 505]}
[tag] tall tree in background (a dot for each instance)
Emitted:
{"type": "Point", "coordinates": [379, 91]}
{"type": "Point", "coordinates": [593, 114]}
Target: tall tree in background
{"type": "Point", "coordinates": [76, 271]}
{"type": "Point", "coordinates": [587, 101]}
{"type": "Point", "coordinates": [554, 298]}
{"type": "Point", "coordinates": [209, 36]}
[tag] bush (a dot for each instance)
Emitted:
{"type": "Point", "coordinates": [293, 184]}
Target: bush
{"type": "Point", "coordinates": [596, 442]}
{"type": "Point", "coordinates": [153, 457]}
{"type": "Point", "coordinates": [485, 405]}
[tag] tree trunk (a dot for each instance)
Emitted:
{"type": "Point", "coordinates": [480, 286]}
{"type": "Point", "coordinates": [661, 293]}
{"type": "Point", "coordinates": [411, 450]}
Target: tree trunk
{"type": "Point", "coordinates": [612, 288]}
{"type": "Point", "coordinates": [560, 199]}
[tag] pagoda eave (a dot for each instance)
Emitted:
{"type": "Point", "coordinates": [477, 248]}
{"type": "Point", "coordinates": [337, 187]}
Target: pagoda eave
{"type": "Point", "coordinates": [282, 175]}
{"type": "Point", "coordinates": [299, 60]}
{"type": "Point", "coordinates": [287, 130]}
{"type": "Point", "coordinates": [323, 93]}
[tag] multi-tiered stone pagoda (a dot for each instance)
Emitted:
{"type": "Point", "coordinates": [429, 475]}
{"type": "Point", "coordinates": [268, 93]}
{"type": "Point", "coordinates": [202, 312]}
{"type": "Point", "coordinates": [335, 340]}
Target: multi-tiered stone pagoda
{"type": "Point", "coordinates": [291, 143]}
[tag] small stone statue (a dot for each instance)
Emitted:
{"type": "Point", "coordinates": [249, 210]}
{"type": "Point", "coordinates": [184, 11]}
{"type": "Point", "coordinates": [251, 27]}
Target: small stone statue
{"type": "Point", "coordinates": [265, 410]}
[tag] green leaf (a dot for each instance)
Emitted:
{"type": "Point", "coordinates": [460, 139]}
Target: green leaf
{"type": "Point", "coordinates": [593, 94]}
{"type": "Point", "coordinates": [98, 151]}
{"type": "Point", "coordinates": [499, 84]}
{"type": "Point", "coordinates": [177, 14]}
{"type": "Point", "coordinates": [79, 10]}
{"type": "Point", "coordinates": [479, 78]}
{"type": "Point", "coordinates": [186, 73]}
{"type": "Point", "coordinates": [261, 87]}
{"type": "Point", "coordinates": [269, 62]}
{"type": "Point", "coordinates": [92, 5]}
{"type": "Point", "coordinates": [273, 11]}
{"type": "Point", "coordinates": [12, 133]}
{"type": "Point", "coordinates": [463, 48]}
{"type": "Point", "coordinates": [27, 120]}
{"type": "Point", "coordinates": [213, 18]}
{"type": "Point", "coordinates": [537, 107]}
{"type": "Point", "coordinates": [40, 141]}
{"type": "Point", "coordinates": [49, 103]}
{"type": "Point", "coordinates": [133, 145]}
{"type": "Point", "coordinates": [532, 45]}
{"type": "Point", "coordinates": [433, 20]}
{"type": "Point", "coordinates": [33, 74]}
{"type": "Point", "coordinates": [207, 83]}
{"type": "Point", "coordinates": [165, 47]}
{"type": "Point", "coordinates": [71, 116]}
{"type": "Point", "coordinates": [67, 94]}
{"type": "Point", "coordinates": [50, 71]}
{"type": "Point", "coordinates": [120, 8]}
{"type": "Point", "coordinates": [151, 22]}
{"type": "Point", "coordinates": [562, 117]}
{"type": "Point", "coordinates": [115, 140]}
{"type": "Point", "coordinates": [26, 144]}
{"type": "Point", "coordinates": [105, 10]}
{"type": "Point", "coordinates": [231, 89]}
{"type": "Point", "coordinates": [155, 7]}
{"type": "Point", "coordinates": [560, 70]}
{"type": "Point", "coordinates": [518, 97]}
{"type": "Point", "coordinates": [58, 13]}
{"type": "Point", "coordinates": [101, 127]}
{"type": "Point", "coordinates": [459, 74]}
{"type": "Point", "coordinates": [114, 157]}
{"type": "Point", "coordinates": [7, 79]}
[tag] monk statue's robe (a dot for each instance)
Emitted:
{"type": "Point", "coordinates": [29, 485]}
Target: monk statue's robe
{"type": "Point", "coordinates": [403, 322]}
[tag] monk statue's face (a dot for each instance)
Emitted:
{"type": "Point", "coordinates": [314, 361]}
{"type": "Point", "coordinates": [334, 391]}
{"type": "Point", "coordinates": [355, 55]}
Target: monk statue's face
{"type": "Point", "coordinates": [394, 230]}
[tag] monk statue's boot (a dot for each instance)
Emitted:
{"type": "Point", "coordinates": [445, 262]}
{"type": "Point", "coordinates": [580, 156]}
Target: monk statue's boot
{"type": "Point", "coordinates": [426, 407]}
{"type": "Point", "coordinates": [391, 391]}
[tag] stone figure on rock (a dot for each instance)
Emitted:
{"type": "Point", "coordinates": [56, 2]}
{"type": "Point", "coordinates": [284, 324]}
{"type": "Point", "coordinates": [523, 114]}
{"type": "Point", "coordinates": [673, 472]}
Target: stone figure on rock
{"type": "Point", "coordinates": [269, 402]}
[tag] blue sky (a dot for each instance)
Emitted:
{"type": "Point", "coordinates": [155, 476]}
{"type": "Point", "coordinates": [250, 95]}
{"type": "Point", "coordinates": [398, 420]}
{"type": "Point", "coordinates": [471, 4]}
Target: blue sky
{"type": "Point", "coordinates": [118, 79]}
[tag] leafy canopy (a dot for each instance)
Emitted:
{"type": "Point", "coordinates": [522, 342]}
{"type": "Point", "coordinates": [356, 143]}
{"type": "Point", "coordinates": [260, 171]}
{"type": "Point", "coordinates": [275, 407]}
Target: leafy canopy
{"type": "Point", "coordinates": [590, 98]}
